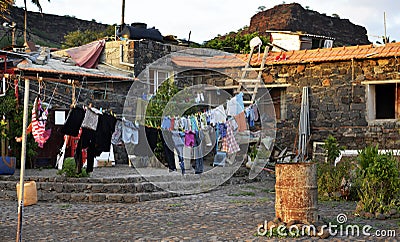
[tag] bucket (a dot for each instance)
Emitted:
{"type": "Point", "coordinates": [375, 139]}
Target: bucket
{"type": "Point", "coordinates": [296, 192]}
{"type": "Point", "coordinates": [7, 165]}
{"type": "Point", "coordinates": [30, 193]}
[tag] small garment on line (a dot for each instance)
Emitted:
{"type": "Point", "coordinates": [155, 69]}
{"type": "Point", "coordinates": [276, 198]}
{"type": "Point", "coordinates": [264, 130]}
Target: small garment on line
{"type": "Point", "coordinates": [189, 138]}
{"type": "Point", "coordinates": [73, 122]}
{"type": "Point", "coordinates": [116, 137]}
{"type": "Point", "coordinates": [39, 132]}
{"type": "Point", "coordinates": [91, 119]}
{"type": "Point", "coordinates": [241, 122]}
{"type": "Point", "coordinates": [130, 132]}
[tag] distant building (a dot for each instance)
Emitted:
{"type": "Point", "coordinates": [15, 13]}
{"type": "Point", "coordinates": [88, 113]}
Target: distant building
{"type": "Point", "coordinates": [289, 40]}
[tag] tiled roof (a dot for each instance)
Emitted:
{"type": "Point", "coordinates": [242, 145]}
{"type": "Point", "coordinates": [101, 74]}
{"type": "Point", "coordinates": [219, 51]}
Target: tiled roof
{"type": "Point", "coordinates": [290, 57]}
{"type": "Point", "coordinates": [327, 55]}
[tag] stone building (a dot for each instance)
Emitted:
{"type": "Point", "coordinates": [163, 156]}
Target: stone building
{"type": "Point", "coordinates": [354, 94]}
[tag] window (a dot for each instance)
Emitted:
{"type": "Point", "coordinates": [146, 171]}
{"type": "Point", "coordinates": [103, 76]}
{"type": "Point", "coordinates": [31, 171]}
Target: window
{"type": "Point", "coordinates": [278, 96]}
{"type": "Point", "coordinates": [3, 85]}
{"type": "Point", "coordinates": [156, 77]}
{"type": "Point", "coordinates": [383, 101]}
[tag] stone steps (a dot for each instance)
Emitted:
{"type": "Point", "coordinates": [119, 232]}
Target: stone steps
{"type": "Point", "coordinates": [128, 189]}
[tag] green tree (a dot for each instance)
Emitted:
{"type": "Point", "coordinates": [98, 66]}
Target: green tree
{"type": "Point", "coordinates": [78, 38]}
{"type": "Point", "coordinates": [234, 42]}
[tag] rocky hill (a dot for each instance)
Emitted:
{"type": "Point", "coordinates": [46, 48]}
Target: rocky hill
{"type": "Point", "coordinates": [45, 29]}
{"type": "Point", "coordinates": [294, 17]}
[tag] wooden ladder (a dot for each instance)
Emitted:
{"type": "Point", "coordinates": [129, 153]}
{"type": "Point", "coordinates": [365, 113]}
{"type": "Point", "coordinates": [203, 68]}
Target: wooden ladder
{"type": "Point", "coordinates": [248, 86]}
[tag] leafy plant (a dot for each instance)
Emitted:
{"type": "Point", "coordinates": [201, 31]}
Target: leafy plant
{"type": "Point", "coordinates": [379, 181]}
{"type": "Point", "coordinates": [14, 116]}
{"type": "Point", "coordinates": [332, 148]}
{"type": "Point", "coordinates": [330, 178]}
{"type": "Point", "coordinates": [69, 169]}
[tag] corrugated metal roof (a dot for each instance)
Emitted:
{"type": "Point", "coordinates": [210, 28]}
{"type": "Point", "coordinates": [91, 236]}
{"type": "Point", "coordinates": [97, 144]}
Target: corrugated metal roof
{"type": "Point", "coordinates": [54, 66]}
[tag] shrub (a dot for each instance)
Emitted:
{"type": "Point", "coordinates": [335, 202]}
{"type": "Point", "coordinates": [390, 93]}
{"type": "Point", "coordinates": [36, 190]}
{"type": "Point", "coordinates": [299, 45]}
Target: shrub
{"type": "Point", "coordinates": [330, 179]}
{"type": "Point", "coordinates": [69, 169]}
{"type": "Point", "coordinates": [379, 181]}
{"type": "Point", "coordinates": [332, 148]}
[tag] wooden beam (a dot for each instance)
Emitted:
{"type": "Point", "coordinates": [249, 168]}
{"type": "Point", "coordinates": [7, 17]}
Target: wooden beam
{"type": "Point", "coordinates": [65, 81]}
{"type": "Point", "coordinates": [380, 82]}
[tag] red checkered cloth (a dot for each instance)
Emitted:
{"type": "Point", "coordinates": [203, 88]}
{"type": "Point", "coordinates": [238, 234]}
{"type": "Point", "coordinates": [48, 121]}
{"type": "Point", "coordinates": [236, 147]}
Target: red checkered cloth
{"type": "Point", "coordinates": [230, 140]}
{"type": "Point", "coordinates": [225, 147]}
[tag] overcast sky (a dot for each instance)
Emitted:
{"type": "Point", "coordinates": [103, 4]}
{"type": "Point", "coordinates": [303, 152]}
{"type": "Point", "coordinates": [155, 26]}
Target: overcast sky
{"type": "Point", "coordinates": [208, 18]}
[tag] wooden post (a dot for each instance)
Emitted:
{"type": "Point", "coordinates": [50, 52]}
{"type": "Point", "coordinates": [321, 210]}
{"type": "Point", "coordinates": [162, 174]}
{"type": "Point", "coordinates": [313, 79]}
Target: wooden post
{"type": "Point", "coordinates": [23, 160]}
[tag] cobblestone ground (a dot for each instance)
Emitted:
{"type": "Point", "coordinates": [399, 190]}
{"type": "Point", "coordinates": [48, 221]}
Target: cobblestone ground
{"type": "Point", "coordinates": [229, 213]}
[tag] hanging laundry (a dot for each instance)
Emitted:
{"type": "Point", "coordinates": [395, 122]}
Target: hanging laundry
{"type": "Point", "coordinates": [73, 122]}
{"type": "Point", "coordinates": [39, 119]}
{"type": "Point", "coordinates": [116, 137]}
{"type": "Point", "coordinates": [219, 115]}
{"type": "Point", "coordinates": [189, 138]}
{"type": "Point", "coordinates": [235, 105]}
{"type": "Point", "coordinates": [241, 122]}
{"type": "Point", "coordinates": [222, 130]}
{"type": "Point", "coordinates": [130, 132]}
{"type": "Point", "coordinates": [230, 140]}
{"type": "Point", "coordinates": [198, 154]}
{"type": "Point", "coordinates": [91, 119]}
{"type": "Point", "coordinates": [231, 107]}
{"type": "Point", "coordinates": [239, 99]}
{"type": "Point", "coordinates": [256, 112]}
{"type": "Point", "coordinates": [194, 125]}
{"type": "Point", "coordinates": [166, 123]}
{"type": "Point", "coordinates": [172, 126]}
{"type": "Point", "coordinates": [250, 116]}
{"type": "Point", "coordinates": [178, 139]}
{"type": "Point", "coordinates": [104, 131]}
{"type": "Point", "coordinates": [166, 138]}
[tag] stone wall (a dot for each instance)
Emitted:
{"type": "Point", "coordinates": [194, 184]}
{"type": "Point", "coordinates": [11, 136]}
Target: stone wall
{"type": "Point", "coordinates": [338, 102]}
{"type": "Point", "coordinates": [148, 51]}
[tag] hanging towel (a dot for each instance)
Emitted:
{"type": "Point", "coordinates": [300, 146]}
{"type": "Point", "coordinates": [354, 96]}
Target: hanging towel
{"type": "Point", "coordinates": [40, 134]}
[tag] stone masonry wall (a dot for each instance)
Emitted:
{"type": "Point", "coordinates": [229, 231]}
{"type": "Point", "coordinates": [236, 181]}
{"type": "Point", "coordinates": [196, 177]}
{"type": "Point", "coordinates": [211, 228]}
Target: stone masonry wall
{"type": "Point", "coordinates": [337, 102]}
{"type": "Point", "coordinates": [148, 51]}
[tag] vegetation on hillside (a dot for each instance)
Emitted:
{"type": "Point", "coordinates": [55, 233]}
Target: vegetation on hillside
{"type": "Point", "coordinates": [234, 42]}
{"type": "Point", "coordinates": [78, 38]}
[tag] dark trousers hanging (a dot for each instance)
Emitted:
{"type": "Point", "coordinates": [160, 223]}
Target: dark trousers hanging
{"type": "Point", "coordinates": [166, 137]}
{"type": "Point", "coordinates": [198, 154]}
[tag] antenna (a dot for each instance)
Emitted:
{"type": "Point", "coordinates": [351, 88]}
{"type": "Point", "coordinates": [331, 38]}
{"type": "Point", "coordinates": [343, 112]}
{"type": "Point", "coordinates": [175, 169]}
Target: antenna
{"type": "Point", "coordinates": [384, 24]}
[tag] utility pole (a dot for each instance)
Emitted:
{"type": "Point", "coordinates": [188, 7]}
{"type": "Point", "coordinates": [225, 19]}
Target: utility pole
{"type": "Point", "coordinates": [13, 27]}
{"type": "Point", "coordinates": [123, 13]}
